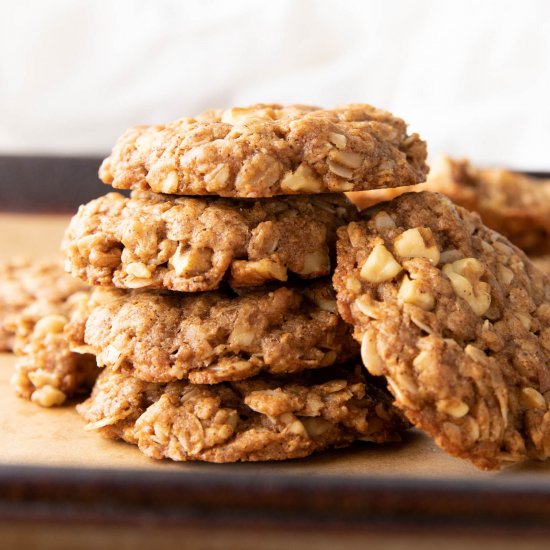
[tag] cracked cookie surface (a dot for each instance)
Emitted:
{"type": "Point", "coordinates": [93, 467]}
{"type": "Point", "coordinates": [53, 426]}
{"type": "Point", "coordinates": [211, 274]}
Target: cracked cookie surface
{"type": "Point", "coordinates": [190, 244]}
{"type": "Point", "coordinates": [458, 321]}
{"type": "Point", "coordinates": [263, 418]}
{"type": "Point", "coordinates": [24, 282]}
{"type": "Point", "coordinates": [267, 150]}
{"type": "Point", "coordinates": [515, 205]}
{"type": "Point", "coordinates": [214, 336]}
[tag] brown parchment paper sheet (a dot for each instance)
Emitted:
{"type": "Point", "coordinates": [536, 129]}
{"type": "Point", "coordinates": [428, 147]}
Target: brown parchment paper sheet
{"type": "Point", "coordinates": [30, 435]}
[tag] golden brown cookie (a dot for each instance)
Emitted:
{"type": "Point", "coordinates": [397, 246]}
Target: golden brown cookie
{"type": "Point", "coordinates": [213, 336]}
{"type": "Point", "coordinates": [191, 244]}
{"type": "Point", "coordinates": [24, 282]}
{"type": "Point", "coordinates": [264, 418]}
{"type": "Point", "coordinates": [515, 205]}
{"type": "Point", "coordinates": [268, 150]}
{"type": "Point", "coordinates": [47, 372]}
{"type": "Point", "coordinates": [458, 321]}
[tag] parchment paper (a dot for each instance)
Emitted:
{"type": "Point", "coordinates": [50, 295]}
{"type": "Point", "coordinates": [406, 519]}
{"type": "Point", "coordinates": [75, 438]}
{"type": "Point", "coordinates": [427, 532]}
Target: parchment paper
{"type": "Point", "coordinates": [30, 435]}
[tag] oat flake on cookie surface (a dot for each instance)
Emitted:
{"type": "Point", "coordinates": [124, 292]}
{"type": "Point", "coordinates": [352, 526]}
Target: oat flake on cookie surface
{"type": "Point", "coordinates": [269, 149]}
{"type": "Point", "coordinates": [458, 321]}
{"type": "Point", "coordinates": [212, 337]}
{"type": "Point", "coordinates": [263, 418]}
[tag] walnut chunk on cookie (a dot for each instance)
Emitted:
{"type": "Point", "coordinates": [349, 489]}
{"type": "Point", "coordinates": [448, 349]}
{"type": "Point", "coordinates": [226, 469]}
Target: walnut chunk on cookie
{"type": "Point", "coordinates": [458, 321]}
{"type": "Point", "coordinates": [262, 418]}
{"type": "Point", "coordinates": [192, 244]}
{"type": "Point", "coordinates": [268, 150]}
{"type": "Point", "coordinates": [215, 336]}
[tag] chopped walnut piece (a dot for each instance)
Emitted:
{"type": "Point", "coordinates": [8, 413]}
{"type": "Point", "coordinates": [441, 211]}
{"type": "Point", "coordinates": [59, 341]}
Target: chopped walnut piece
{"type": "Point", "coordinates": [255, 273]}
{"type": "Point", "coordinates": [190, 262]}
{"type": "Point", "coordinates": [464, 275]}
{"type": "Point", "coordinates": [411, 292]}
{"type": "Point", "coordinates": [302, 179]}
{"type": "Point", "coordinates": [417, 242]}
{"type": "Point", "coordinates": [380, 265]}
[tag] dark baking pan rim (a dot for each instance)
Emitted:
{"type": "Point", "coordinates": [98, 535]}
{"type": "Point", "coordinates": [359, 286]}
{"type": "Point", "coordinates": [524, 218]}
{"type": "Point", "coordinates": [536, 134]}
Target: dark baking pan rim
{"type": "Point", "coordinates": [56, 184]}
{"type": "Point", "coordinates": [248, 500]}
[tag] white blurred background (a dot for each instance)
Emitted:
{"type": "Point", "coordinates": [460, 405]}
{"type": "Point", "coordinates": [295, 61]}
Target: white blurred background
{"type": "Point", "coordinates": [472, 77]}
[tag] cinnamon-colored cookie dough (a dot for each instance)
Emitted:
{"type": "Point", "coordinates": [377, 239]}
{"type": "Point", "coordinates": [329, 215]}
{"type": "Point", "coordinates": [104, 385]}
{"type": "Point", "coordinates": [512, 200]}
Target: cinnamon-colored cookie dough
{"type": "Point", "coordinates": [267, 150]}
{"type": "Point", "coordinates": [264, 418]}
{"type": "Point", "coordinates": [213, 336]}
{"type": "Point", "coordinates": [458, 321]}
{"type": "Point", "coordinates": [191, 244]}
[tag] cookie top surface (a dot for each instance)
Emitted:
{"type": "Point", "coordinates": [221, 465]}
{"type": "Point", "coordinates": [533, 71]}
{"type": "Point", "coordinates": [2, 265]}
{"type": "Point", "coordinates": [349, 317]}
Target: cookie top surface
{"type": "Point", "coordinates": [40, 283]}
{"type": "Point", "coordinates": [515, 205]}
{"type": "Point", "coordinates": [458, 321]}
{"type": "Point", "coordinates": [264, 418]}
{"type": "Point", "coordinates": [215, 336]}
{"type": "Point", "coordinates": [192, 244]}
{"type": "Point", "coordinates": [267, 150]}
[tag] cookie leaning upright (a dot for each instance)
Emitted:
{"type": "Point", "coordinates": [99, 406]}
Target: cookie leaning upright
{"type": "Point", "coordinates": [269, 150]}
{"type": "Point", "coordinates": [458, 321]}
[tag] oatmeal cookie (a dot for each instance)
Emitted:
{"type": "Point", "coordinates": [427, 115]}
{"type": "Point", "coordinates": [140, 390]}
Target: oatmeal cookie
{"type": "Point", "coordinates": [515, 205]}
{"type": "Point", "coordinates": [214, 336]}
{"type": "Point", "coordinates": [458, 321]}
{"type": "Point", "coordinates": [268, 150]}
{"type": "Point", "coordinates": [24, 282]}
{"type": "Point", "coordinates": [264, 418]}
{"type": "Point", "coordinates": [47, 372]}
{"type": "Point", "coordinates": [191, 244]}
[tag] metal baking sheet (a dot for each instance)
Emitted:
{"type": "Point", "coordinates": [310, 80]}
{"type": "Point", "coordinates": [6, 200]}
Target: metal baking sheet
{"type": "Point", "coordinates": [51, 470]}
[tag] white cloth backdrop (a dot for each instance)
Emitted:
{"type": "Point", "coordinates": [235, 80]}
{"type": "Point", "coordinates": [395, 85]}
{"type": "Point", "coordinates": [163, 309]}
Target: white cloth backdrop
{"type": "Point", "coordinates": [472, 76]}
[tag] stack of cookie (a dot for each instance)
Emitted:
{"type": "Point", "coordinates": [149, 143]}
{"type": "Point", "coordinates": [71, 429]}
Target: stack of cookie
{"type": "Point", "coordinates": [213, 314]}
